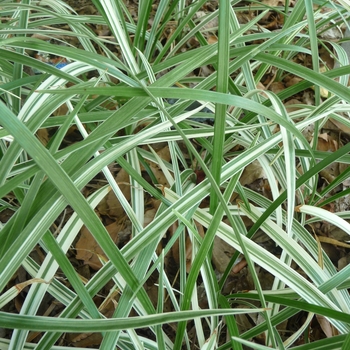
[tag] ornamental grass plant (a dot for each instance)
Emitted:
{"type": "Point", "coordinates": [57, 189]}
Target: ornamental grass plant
{"type": "Point", "coordinates": [194, 77]}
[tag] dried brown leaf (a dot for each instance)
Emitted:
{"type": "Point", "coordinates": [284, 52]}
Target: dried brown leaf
{"type": "Point", "coordinates": [88, 249]}
{"type": "Point", "coordinates": [110, 205]}
{"type": "Point", "coordinates": [43, 136]}
{"type": "Point", "coordinates": [333, 241]}
{"type": "Point", "coordinates": [252, 172]}
{"type": "Point", "coordinates": [276, 87]}
{"type": "Point", "coordinates": [326, 326]}
{"type": "Point", "coordinates": [222, 253]}
{"type": "Point", "coordinates": [291, 102]}
{"type": "Point", "coordinates": [327, 143]}
{"type": "Point", "coordinates": [341, 126]}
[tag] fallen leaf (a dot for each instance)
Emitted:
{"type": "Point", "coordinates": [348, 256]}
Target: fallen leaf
{"type": "Point", "coordinates": [43, 136]}
{"type": "Point", "coordinates": [252, 172]}
{"type": "Point", "coordinates": [333, 241]}
{"type": "Point", "coordinates": [327, 143]}
{"type": "Point", "coordinates": [222, 253]}
{"type": "Point", "coordinates": [341, 126]}
{"type": "Point", "coordinates": [291, 102]}
{"type": "Point", "coordinates": [110, 205]}
{"type": "Point", "coordinates": [212, 39]}
{"type": "Point", "coordinates": [326, 326]}
{"type": "Point", "coordinates": [84, 340]}
{"type": "Point", "coordinates": [88, 249]}
{"type": "Point", "coordinates": [343, 262]}
{"type": "Point", "coordinates": [149, 216]}
{"type": "Point", "coordinates": [292, 81]}
{"type": "Point", "coordinates": [276, 87]}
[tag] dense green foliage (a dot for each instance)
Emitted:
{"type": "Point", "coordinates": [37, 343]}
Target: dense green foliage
{"type": "Point", "coordinates": [138, 71]}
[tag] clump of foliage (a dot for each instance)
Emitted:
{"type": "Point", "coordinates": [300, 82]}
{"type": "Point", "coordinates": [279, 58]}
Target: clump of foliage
{"type": "Point", "coordinates": [116, 90]}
